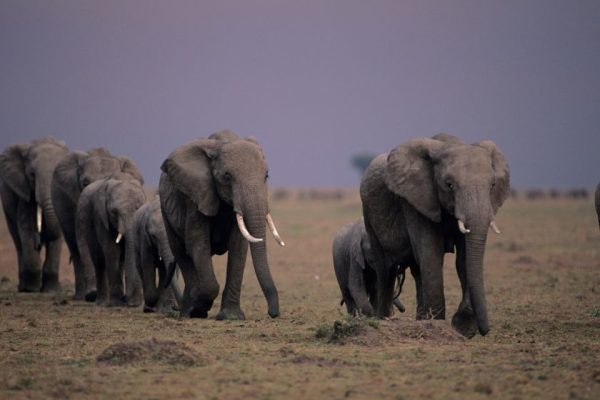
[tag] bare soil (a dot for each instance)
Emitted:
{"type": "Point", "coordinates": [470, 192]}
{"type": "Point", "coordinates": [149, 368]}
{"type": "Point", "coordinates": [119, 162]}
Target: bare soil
{"type": "Point", "coordinates": [542, 282]}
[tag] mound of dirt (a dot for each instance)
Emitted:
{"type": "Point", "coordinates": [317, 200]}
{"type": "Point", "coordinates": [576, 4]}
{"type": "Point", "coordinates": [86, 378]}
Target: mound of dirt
{"type": "Point", "coordinates": [151, 351]}
{"type": "Point", "coordinates": [373, 332]}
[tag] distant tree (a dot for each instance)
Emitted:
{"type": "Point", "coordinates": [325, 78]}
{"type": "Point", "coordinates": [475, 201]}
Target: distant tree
{"type": "Point", "coordinates": [361, 161]}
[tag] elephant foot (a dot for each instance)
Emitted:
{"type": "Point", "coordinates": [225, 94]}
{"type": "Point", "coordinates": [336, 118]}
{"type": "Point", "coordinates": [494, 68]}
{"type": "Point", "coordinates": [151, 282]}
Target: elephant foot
{"type": "Point", "coordinates": [195, 313]}
{"type": "Point", "coordinates": [90, 297]}
{"type": "Point", "coordinates": [148, 309]}
{"type": "Point", "coordinates": [365, 310]}
{"type": "Point", "coordinates": [167, 307]}
{"type": "Point", "coordinates": [134, 301]}
{"type": "Point", "coordinates": [30, 283]}
{"type": "Point", "coordinates": [464, 322]}
{"type": "Point", "coordinates": [117, 301]}
{"type": "Point", "coordinates": [50, 283]}
{"type": "Point", "coordinates": [399, 305]}
{"type": "Point", "coordinates": [230, 313]}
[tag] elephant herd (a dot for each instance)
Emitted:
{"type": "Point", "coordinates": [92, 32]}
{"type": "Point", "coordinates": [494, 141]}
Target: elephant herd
{"type": "Point", "coordinates": [424, 198]}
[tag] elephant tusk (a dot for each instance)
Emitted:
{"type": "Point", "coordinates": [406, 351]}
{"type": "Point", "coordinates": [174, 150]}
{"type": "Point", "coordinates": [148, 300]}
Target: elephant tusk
{"type": "Point", "coordinates": [245, 233]}
{"type": "Point", "coordinates": [461, 227]}
{"type": "Point", "coordinates": [494, 227]}
{"type": "Point", "coordinates": [274, 230]}
{"type": "Point", "coordinates": [119, 237]}
{"type": "Point", "coordinates": [39, 219]}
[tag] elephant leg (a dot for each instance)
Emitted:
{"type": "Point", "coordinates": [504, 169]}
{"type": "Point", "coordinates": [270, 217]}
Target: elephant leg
{"type": "Point", "coordinates": [65, 209]}
{"type": "Point", "coordinates": [101, 281]}
{"type": "Point", "coordinates": [50, 281]}
{"type": "Point", "coordinates": [10, 203]}
{"type": "Point", "coordinates": [167, 297]}
{"type": "Point", "coordinates": [30, 279]}
{"type": "Point", "coordinates": [197, 268]}
{"type": "Point", "coordinates": [464, 319]}
{"type": "Point", "coordinates": [358, 290]}
{"type": "Point", "coordinates": [349, 301]}
{"type": "Point", "coordinates": [148, 274]}
{"type": "Point", "coordinates": [385, 291]}
{"type": "Point", "coordinates": [416, 274]}
{"type": "Point", "coordinates": [114, 274]}
{"type": "Point", "coordinates": [236, 261]}
{"type": "Point", "coordinates": [432, 282]}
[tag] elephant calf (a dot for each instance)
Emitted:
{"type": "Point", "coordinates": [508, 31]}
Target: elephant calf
{"type": "Point", "coordinates": [104, 229]}
{"type": "Point", "coordinates": [357, 280]}
{"type": "Point", "coordinates": [152, 253]}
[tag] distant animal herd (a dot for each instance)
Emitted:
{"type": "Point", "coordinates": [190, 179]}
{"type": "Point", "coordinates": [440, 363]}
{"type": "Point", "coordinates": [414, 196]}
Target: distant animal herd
{"type": "Point", "coordinates": [424, 198]}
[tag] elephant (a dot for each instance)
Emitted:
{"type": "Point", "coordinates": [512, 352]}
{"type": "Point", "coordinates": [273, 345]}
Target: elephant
{"type": "Point", "coordinates": [427, 197]}
{"type": "Point", "coordinates": [75, 171]}
{"type": "Point", "coordinates": [104, 223]}
{"type": "Point", "coordinates": [25, 176]}
{"type": "Point", "coordinates": [597, 199]}
{"type": "Point", "coordinates": [152, 253]}
{"type": "Point", "coordinates": [352, 263]}
{"type": "Point", "coordinates": [213, 195]}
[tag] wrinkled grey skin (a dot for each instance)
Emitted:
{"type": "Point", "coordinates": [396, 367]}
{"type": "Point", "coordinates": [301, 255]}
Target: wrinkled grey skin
{"type": "Point", "coordinates": [75, 172]}
{"type": "Point", "coordinates": [412, 199]}
{"type": "Point", "coordinates": [25, 176]}
{"type": "Point", "coordinates": [598, 203]}
{"type": "Point", "coordinates": [152, 253]}
{"type": "Point", "coordinates": [105, 209]}
{"type": "Point", "coordinates": [203, 184]}
{"type": "Point", "coordinates": [352, 263]}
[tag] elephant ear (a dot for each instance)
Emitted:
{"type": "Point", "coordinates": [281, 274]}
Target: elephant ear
{"type": "Point", "coordinates": [409, 174]}
{"type": "Point", "coordinates": [129, 167]}
{"type": "Point", "coordinates": [501, 188]}
{"type": "Point", "coordinates": [12, 170]}
{"type": "Point", "coordinates": [67, 171]}
{"type": "Point", "coordinates": [189, 170]}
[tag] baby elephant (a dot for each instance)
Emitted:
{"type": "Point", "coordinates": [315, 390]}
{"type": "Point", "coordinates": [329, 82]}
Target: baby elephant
{"type": "Point", "coordinates": [357, 280]}
{"type": "Point", "coordinates": [152, 253]}
{"type": "Point", "coordinates": [104, 223]}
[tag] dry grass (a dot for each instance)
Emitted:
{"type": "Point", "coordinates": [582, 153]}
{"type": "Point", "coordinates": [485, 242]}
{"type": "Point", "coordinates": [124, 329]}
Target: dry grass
{"type": "Point", "coordinates": [543, 285]}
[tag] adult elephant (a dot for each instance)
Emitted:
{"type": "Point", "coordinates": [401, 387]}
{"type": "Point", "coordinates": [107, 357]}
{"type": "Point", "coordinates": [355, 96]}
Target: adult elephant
{"type": "Point", "coordinates": [421, 200]}
{"type": "Point", "coordinates": [213, 195]}
{"type": "Point", "coordinates": [25, 175]}
{"type": "Point", "coordinates": [104, 225]}
{"type": "Point", "coordinates": [73, 173]}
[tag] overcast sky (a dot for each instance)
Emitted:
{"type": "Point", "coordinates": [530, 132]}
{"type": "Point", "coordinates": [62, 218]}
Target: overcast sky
{"type": "Point", "coordinates": [314, 81]}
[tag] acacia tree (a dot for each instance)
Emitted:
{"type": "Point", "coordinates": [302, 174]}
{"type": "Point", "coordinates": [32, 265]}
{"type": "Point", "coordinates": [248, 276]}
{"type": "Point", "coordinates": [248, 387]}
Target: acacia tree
{"type": "Point", "coordinates": [361, 161]}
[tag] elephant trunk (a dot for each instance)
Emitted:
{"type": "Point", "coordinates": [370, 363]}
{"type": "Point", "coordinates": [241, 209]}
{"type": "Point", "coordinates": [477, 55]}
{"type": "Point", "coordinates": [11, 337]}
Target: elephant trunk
{"type": "Point", "coordinates": [50, 220]}
{"type": "Point", "coordinates": [475, 248]}
{"type": "Point", "coordinates": [478, 221]}
{"type": "Point", "coordinates": [133, 281]}
{"type": "Point", "coordinates": [254, 216]}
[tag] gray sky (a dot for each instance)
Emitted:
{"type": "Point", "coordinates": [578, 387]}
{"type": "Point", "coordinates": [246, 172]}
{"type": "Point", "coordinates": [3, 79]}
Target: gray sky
{"type": "Point", "coordinates": [314, 81]}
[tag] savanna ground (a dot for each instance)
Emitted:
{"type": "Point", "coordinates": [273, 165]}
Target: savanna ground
{"type": "Point", "coordinates": [543, 286]}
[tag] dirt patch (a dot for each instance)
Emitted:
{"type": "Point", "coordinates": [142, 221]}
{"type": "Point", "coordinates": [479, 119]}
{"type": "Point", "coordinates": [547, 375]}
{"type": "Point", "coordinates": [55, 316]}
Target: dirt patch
{"type": "Point", "coordinates": [152, 351]}
{"type": "Point", "coordinates": [525, 260]}
{"type": "Point", "coordinates": [369, 332]}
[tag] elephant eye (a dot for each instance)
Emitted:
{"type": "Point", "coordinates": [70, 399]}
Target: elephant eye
{"type": "Point", "coordinates": [227, 177]}
{"type": "Point", "coordinates": [266, 176]}
{"type": "Point", "coordinates": [85, 183]}
{"type": "Point", "coordinates": [450, 185]}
